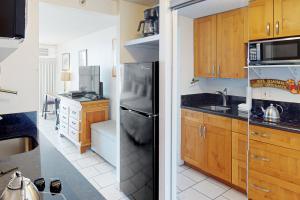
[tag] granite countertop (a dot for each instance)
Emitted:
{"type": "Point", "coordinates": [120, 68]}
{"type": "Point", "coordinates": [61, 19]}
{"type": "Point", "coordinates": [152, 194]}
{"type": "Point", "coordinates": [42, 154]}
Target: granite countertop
{"type": "Point", "coordinates": [83, 99]}
{"type": "Point", "coordinates": [43, 161]}
{"type": "Point", "coordinates": [290, 120]}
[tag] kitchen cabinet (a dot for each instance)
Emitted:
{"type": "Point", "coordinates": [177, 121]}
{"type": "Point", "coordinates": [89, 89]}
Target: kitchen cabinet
{"type": "Point", "coordinates": [273, 18]}
{"type": "Point", "coordinates": [239, 153]}
{"type": "Point", "coordinates": [217, 136]}
{"type": "Point", "coordinates": [205, 35]}
{"type": "Point", "coordinates": [219, 45]}
{"type": "Point", "coordinates": [193, 144]}
{"type": "Point", "coordinates": [207, 144]}
{"type": "Point", "coordinates": [274, 162]}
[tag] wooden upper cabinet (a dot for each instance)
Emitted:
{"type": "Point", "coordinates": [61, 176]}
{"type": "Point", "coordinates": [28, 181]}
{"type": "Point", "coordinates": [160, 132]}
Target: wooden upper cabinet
{"type": "Point", "coordinates": [205, 46]}
{"type": "Point", "coordinates": [286, 18]}
{"type": "Point", "coordinates": [193, 145]}
{"type": "Point", "coordinates": [260, 16]}
{"type": "Point", "coordinates": [231, 50]}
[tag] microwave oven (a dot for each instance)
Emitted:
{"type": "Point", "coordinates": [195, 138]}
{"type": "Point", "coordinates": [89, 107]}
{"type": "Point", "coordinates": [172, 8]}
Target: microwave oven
{"type": "Point", "coordinates": [12, 18]}
{"type": "Point", "coordinates": [284, 51]}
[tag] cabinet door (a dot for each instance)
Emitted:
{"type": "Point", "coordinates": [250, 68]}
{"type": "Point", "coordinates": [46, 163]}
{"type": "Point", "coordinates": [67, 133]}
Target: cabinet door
{"type": "Point", "coordinates": [286, 18]}
{"type": "Point", "coordinates": [260, 16]}
{"type": "Point", "coordinates": [231, 50]}
{"type": "Point", "coordinates": [218, 140]}
{"type": "Point", "coordinates": [205, 36]}
{"type": "Point", "coordinates": [192, 142]}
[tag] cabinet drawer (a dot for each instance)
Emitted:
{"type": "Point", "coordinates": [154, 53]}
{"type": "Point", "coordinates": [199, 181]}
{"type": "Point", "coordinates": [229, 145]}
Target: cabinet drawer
{"type": "Point", "coordinates": [239, 126]}
{"type": "Point", "coordinates": [276, 137]}
{"type": "Point", "coordinates": [217, 121]}
{"type": "Point", "coordinates": [275, 161]}
{"type": "Point", "coordinates": [239, 173]}
{"type": "Point", "coordinates": [264, 187]}
{"type": "Point", "coordinates": [239, 146]}
{"type": "Point", "coordinates": [192, 115]}
{"type": "Point", "coordinates": [64, 108]}
{"type": "Point", "coordinates": [74, 134]}
{"type": "Point", "coordinates": [74, 124]}
{"type": "Point", "coordinates": [64, 118]}
{"type": "Point", "coordinates": [63, 128]}
{"type": "Point", "coordinates": [75, 113]}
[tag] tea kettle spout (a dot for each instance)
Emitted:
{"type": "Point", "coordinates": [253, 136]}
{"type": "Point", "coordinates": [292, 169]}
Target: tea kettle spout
{"type": "Point", "coordinates": [263, 110]}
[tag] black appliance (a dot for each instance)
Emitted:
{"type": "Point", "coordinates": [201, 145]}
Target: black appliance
{"type": "Point", "coordinates": [12, 18]}
{"type": "Point", "coordinates": [150, 24]}
{"type": "Point", "coordinates": [139, 131]}
{"type": "Point", "coordinates": [275, 52]}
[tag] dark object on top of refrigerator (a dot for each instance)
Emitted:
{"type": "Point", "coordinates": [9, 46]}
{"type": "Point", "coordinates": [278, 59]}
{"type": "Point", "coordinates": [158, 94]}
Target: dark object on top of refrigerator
{"type": "Point", "coordinates": [139, 131]}
{"type": "Point", "coordinates": [150, 22]}
{"type": "Point", "coordinates": [12, 18]}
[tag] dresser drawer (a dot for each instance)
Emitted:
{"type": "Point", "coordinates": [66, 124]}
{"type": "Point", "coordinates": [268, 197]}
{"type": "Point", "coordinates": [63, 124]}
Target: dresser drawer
{"type": "Point", "coordinates": [239, 146]}
{"type": "Point", "coordinates": [74, 134]}
{"type": "Point", "coordinates": [264, 187]}
{"type": "Point", "coordinates": [64, 118]}
{"type": "Point", "coordinates": [275, 161]}
{"type": "Point", "coordinates": [240, 126]}
{"type": "Point", "coordinates": [63, 128]}
{"type": "Point", "coordinates": [64, 108]}
{"type": "Point", "coordinates": [239, 173]}
{"type": "Point", "coordinates": [276, 137]}
{"type": "Point", "coordinates": [74, 123]}
{"type": "Point", "coordinates": [75, 113]}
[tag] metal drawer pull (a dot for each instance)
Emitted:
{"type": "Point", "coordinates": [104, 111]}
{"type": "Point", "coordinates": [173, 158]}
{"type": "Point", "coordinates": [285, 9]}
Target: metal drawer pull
{"type": "Point", "coordinates": [264, 135]}
{"type": "Point", "coordinates": [277, 27]}
{"type": "Point", "coordinates": [204, 131]}
{"type": "Point", "coordinates": [200, 131]}
{"type": "Point", "coordinates": [260, 188]}
{"type": "Point", "coordinates": [256, 157]}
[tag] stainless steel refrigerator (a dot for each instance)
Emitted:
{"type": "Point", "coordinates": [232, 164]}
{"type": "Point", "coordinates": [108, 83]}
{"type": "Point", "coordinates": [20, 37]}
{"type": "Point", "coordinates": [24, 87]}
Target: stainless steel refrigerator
{"type": "Point", "coordinates": [139, 131]}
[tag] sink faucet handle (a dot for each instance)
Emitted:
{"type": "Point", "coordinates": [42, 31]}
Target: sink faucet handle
{"type": "Point", "coordinates": [225, 91]}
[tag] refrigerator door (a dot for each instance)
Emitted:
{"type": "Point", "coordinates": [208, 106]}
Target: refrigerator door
{"type": "Point", "coordinates": [139, 155]}
{"type": "Point", "coordinates": [140, 87]}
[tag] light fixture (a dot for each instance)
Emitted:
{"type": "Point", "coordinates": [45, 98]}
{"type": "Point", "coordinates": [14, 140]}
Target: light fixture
{"type": "Point", "coordinates": [65, 76]}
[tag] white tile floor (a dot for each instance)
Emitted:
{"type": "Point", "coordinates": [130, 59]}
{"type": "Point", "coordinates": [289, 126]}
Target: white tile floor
{"type": "Point", "coordinates": [94, 168]}
{"type": "Point", "coordinates": [191, 185]}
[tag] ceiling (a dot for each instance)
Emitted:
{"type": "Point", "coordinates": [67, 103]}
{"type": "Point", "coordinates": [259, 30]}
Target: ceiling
{"type": "Point", "coordinates": [209, 7]}
{"type": "Point", "coordinates": [58, 24]}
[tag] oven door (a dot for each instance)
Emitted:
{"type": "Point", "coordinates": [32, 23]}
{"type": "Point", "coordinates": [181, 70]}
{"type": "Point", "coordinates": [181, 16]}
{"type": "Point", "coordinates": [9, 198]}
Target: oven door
{"type": "Point", "coordinates": [283, 51]}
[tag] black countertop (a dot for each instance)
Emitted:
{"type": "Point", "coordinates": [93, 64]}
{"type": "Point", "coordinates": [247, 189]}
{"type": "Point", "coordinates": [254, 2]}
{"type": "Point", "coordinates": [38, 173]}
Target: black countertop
{"type": "Point", "coordinates": [43, 161]}
{"type": "Point", "coordinates": [83, 98]}
{"type": "Point", "coordinates": [290, 118]}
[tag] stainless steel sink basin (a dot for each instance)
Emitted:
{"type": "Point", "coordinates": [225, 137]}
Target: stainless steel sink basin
{"type": "Point", "coordinates": [216, 108]}
{"type": "Point", "coordinates": [14, 146]}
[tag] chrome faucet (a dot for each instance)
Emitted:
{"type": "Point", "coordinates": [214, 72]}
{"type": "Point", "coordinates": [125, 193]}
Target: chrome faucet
{"type": "Point", "coordinates": [224, 95]}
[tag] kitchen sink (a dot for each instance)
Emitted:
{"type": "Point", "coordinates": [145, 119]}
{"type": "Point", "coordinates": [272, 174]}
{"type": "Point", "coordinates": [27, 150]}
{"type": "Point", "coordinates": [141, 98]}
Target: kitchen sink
{"type": "Point", "coordinates": [215, 108]}
{"type": "Point", "coordinates": [14, 146]}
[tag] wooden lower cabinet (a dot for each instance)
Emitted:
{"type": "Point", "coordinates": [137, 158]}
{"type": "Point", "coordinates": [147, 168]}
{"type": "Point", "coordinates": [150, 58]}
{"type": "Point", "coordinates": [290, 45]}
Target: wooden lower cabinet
{"type": "Point", "coordinates": [265, 187]}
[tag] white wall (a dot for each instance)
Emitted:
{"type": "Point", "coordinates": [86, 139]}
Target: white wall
{"type": "Point", "coordinates": [20, 70]}
{"type": "Point", "coordinates": [99, 46]}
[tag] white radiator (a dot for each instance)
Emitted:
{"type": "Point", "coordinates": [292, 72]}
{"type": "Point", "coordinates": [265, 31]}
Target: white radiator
{"type": "Point", "coordinates": [47, 70]}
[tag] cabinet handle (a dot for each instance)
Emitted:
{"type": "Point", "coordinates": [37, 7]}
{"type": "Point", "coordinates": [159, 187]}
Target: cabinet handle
{"type": "Point", "coordinates": [263, 135]}
{"type": "Point", "coordinates": [260, 188]}
{"type": "Point", "coordinates": [213, 70]}
{"type": "Point", "coordinates": [204, 131]}
{"type": "Point", "coordinates": [260, 158]}
{"type": "Point", "coordinates": [268, 28]}
{"type": "Point", "coordinates": [201, 131]}
{"type": "Point", "coordinates": [277, 27]}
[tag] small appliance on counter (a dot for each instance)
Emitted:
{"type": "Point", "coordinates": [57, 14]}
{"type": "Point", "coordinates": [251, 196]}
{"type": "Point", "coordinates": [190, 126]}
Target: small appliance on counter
{"type": "Point", "coordinates": [271, 114]}
{"type": "Point", "coordinates": [150, 24]}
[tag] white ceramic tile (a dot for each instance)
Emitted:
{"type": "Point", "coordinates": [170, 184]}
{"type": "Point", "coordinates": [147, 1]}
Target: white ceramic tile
{"type": "Point", "coordinates": [191, 194]}
{"type": "Point", "coordinates": [209, 189]}
{"type": "Point", "coordinates": [194, 175]}
{"type": "Point", "coordinates": [105, 179]}
{"type": "Point", "coordinates": [234, 195]}
{"type": "Point", "coordinates": [182, 168]}
{"type": "Point", "coordinates": [183, 182]}
{"type": "Point", "coordinates": [222, 185]}
{"type": "Point", "coordinates": [89, 172]}
{"type": "Point", "coordinates": [93, 182]}
{"type": "Point", "coordinates": [104, 167]}
{"type": "Point", "coordinates": [112, 193]}
{"type": "Point", "coordinates": [87, 162]}
{"type": "Point", "coordinates": [222, 198]}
